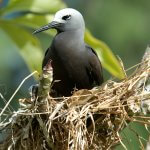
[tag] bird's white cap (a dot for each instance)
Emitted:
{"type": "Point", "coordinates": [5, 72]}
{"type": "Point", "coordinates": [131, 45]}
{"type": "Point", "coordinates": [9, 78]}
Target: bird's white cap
{"type": "Point", "coordinates": [71, 18]}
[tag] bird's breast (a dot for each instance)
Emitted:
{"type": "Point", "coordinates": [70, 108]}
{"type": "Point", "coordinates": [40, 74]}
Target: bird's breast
{"type": "Point", "coordinates": [68, 47]}
{"type": "Point", "coordinates": [69, 59]}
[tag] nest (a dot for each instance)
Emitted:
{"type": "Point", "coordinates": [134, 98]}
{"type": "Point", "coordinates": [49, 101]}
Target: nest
{"type": "Point", "coordinates": [89, 119]}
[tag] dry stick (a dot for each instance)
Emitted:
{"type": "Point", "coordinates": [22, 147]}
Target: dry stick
{"type": "Point", "coordinates": [17, 91]}
{"type": "Point", "coordinates": [46, 134]}
{"type": "Point", "coordinates": [45, 81]}
{"type": "Point", "coordinates": [5, 101]}
{"type": "Point", "coordinates": [121, 142]}
{"type": "Point", "coordinates": [58, 107]}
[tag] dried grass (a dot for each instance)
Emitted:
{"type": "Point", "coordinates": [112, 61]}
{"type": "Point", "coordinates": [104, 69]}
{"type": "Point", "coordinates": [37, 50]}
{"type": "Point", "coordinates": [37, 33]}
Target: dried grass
{"type": "Point", "coordinates": [90, 119]}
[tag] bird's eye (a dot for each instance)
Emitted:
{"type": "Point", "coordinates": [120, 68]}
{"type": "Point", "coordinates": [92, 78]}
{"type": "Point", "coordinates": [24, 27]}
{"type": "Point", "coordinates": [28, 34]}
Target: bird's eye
{"type": "Point", "coordinates": [67, 17]}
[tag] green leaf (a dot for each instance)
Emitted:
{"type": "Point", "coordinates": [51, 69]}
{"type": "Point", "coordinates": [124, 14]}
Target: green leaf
{"type": "Point", "coordinates": [27, 45]}
{"type": "Point", "coordinates": [35, 21]}
{"type": "Point", "coordinates": [39, 6]}
{"type": "Point", "coordinates": [108, 60]}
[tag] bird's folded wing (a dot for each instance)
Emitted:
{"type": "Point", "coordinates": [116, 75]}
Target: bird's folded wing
{"type": "Point", "coordinates": [94, 69]}
{"type": "Point", "coordinates": [47, 57]}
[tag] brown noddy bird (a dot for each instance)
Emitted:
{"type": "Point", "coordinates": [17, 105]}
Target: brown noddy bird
{"type": "Point", "coordinates": [75, 64]}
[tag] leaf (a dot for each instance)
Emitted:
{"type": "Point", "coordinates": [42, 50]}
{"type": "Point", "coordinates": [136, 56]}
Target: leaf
{"type": "Point", "coordinates": [34, 21]}
{"type": "Point", "coordinates": [38, 6]}
{"type": "Point", "coordinates": [5, 51]}
{"type": "Point", "coordinates": [27, 45]}
{"type": "Point", "coordinates": [108, 60]}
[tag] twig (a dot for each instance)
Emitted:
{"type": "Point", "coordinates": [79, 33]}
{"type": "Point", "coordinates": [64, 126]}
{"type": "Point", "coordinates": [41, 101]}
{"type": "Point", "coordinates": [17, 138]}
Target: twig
{"type": "Point", "coordinates": [16, 92]}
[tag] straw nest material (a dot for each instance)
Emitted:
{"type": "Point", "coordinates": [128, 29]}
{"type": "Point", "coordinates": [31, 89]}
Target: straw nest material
{"type": "Point", "coordinates": [90, 119]}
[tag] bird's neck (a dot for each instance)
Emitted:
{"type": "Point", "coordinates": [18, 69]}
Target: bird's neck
{"type": "Point", "coordinates": [73, 34]}
{"type": "Point", "coordinates": [80, 33]}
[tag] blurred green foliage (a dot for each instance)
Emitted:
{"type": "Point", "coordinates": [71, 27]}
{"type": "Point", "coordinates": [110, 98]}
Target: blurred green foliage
{"type": "Point", "coordinates": [18, 18]}
{"type": "Point", "coordinates": [106, 56]}
{"type": "Point", "coordinates": [33, 14]}
{"type": "Point", "coordinates": [123, 25]}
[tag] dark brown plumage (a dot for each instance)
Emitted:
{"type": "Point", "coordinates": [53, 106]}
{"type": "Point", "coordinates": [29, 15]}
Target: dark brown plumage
{"type": "Point", "coordinates": [74, 63]}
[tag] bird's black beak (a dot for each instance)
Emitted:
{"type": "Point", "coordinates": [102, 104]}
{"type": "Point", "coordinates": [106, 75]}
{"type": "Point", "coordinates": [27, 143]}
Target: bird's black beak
{"type": "Point", "coordinates": [51, 25]}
